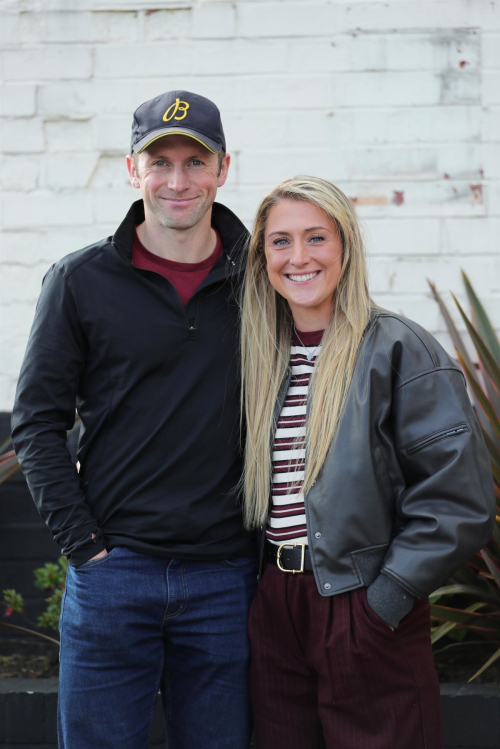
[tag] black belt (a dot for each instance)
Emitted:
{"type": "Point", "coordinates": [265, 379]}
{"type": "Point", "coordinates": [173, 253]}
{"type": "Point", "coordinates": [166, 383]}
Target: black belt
{"type": "Point", "coordinates": [289, 557]}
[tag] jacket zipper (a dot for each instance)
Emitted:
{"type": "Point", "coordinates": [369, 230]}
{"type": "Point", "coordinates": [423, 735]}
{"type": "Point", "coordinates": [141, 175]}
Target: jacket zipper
{"type": "Point", "coordinates": [436, 437]}
{"type": "Point", "coordinates": [191, 323]}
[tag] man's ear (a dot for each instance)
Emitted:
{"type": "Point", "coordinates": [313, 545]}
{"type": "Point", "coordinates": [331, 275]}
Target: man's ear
{"type": "Point", "coordinates": [132, 171]}
{"type": "Point", "coordinates": [223, 170]}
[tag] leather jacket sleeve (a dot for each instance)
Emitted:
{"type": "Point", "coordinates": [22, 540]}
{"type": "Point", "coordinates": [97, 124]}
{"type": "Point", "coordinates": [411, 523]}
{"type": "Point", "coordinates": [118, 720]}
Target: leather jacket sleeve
{"type": "Point", "coordinates": [446, 510]}
{"type": "Point", "coordinates": [44, 410]}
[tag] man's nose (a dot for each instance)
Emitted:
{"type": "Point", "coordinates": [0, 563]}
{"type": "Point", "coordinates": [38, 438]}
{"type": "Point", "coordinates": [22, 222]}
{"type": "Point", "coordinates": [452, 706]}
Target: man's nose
{"type": "Point", "coordinates": [178, 179]}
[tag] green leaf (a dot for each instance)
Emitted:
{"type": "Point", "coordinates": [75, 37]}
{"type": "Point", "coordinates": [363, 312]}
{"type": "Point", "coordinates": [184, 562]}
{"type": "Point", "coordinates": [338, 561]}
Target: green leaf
{"type": "Point", "coordinates": [481, 320]}
{"type": "Point", "coordinates": [452, 330]}
{"type": "Point", "coordinates": [474, 590]}
{"type": "Point", "coordinates": [489, 387]}
{"type": "Point", "coordinates": [442, 631]}
{"type": "Point", "coordinates": [487, 360]}
{"type": "Point", "coordinates": [49, 619]}
{"type": "Point", "coordinates": [493, 449]}
{"type": "Point", "coordinates": [458, 634]}
{"type": "Point", "coordinates": [461, 350]}
{"type": "Point", "coordinates": [446, 613]}
{"type": "Point", "coordinates": [488, 663]}
{"type": "Point", "coordinates": [467, 617]}
{"type": "Point", "coordinates": [51, 575]}
{"type": "Point", "coordinates": [13, 601]}
{"type": "Point", "coordinates": [448, 626]}
{"type": "Point", "coordinates": [492, 566]}
{"type": "Point", "coordinates": [481, 397]}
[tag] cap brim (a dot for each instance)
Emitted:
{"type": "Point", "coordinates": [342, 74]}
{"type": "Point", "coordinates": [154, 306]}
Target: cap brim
{"type": "Point", "coordinates": [210, 144]}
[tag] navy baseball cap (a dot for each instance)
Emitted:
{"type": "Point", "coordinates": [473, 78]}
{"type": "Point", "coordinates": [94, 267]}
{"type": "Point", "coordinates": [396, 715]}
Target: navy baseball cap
{"type": "Point", "coordinates": [178, 113]}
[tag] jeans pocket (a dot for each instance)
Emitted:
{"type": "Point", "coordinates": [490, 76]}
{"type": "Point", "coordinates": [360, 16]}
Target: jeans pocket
{"type": "Point", "coordinates": [96, 562]}
{"type": "Point", "coordinates": [240, 561]}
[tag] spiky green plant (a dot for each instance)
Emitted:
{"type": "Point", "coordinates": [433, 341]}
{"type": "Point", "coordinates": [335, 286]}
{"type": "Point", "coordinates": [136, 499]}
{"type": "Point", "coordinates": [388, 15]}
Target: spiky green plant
{"type": "Point", "coordinates": [472, 595]}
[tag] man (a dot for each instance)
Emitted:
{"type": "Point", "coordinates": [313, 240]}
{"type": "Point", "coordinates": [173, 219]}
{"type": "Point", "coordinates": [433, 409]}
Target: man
{"type": "Point", "coordinates": [139, 331]}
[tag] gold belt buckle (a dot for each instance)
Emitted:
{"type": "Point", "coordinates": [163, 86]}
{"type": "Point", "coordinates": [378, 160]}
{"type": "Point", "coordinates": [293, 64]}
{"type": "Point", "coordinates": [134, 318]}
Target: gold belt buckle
{"type": "Point", "coordinates": [292, 546]}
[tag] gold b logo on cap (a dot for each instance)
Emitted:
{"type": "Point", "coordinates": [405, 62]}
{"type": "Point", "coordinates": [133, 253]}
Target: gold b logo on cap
{"type": "Point", "coordinates": [177, 106]}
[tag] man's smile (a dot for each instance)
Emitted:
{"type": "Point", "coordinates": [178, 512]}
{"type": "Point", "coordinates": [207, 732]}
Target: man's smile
{"type": "Point", "coordinates": [178, 201]}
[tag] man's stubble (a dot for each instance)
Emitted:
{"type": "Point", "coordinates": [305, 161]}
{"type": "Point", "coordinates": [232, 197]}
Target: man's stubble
{"type": "Point", "coordinates": [170, 220]}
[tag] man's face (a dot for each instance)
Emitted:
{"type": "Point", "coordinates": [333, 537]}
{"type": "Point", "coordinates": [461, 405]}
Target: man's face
{"type": "Point", "coordinates": [178, 179]}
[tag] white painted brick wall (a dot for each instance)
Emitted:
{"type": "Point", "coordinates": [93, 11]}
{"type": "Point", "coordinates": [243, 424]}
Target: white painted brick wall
{"type": "Point", "coordinates": [47, 63]}
{"type": "Point", "coordinates": [18, 101]}
{"type": "Point", "coordinates": [396, 102]}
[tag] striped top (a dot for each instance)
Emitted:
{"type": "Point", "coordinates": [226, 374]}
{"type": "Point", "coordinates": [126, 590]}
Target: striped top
{"type": "Point", "coordinates": [287, 520]}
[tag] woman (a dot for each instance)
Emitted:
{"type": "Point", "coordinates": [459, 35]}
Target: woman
{"type": "Point", "coordinates": [368, 505]}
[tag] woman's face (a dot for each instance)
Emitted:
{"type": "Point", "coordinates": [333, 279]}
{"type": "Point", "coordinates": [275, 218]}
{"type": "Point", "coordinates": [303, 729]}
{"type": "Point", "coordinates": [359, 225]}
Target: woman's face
{"type": "Point", "coordinates": [304, 260]}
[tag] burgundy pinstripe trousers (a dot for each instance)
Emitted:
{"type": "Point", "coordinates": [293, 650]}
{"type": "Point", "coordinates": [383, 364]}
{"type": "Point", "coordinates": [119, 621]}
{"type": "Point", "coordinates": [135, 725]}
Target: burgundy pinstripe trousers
{"type": "Point", "coordinates": [328, 672]}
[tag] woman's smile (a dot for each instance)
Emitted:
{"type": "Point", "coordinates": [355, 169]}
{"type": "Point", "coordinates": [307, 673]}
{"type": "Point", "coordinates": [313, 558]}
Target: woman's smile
{"type": "Point", "coordinates": [296, 278]}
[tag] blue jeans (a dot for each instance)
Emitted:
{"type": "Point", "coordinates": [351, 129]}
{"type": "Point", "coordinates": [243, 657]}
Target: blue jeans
{"type": "Point", "coordinates": [132, 624]}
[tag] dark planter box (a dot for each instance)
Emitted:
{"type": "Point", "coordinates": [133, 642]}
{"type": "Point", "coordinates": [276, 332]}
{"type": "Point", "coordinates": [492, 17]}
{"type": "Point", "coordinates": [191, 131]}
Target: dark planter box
{"type": "Point", "coordinates": [471, 716]}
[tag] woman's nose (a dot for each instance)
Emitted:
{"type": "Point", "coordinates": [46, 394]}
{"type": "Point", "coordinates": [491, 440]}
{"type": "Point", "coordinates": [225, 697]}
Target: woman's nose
{"type": "Point", "coordinates": [299, 255]}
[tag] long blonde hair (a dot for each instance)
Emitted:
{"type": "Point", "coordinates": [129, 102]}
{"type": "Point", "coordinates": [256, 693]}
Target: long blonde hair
{"type": "Point", "coordinates": [267, 326]}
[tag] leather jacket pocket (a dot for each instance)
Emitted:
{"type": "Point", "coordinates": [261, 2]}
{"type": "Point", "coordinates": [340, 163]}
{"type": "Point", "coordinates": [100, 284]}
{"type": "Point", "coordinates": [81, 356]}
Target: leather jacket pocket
{"type": "Point", "coordinates": [434, 437]}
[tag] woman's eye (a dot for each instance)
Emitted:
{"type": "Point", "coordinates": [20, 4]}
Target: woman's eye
{"type": "Point", "coordinates": [280, 242]}
{"type": "Point", "coordinates": [317, 238]}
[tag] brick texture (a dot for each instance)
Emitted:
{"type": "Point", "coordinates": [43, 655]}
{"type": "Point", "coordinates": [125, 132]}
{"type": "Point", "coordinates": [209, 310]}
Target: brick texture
{"type": "Point", "coordinates": [396, 102]}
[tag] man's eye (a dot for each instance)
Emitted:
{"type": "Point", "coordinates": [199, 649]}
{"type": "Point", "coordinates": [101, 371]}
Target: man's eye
{"type": "Point", "coordinates": [159, 163]}
{"type": "Point", "coordinates": [196, 162]}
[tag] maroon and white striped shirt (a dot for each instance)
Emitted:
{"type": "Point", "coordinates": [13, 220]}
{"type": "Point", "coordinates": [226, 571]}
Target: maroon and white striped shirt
{"type": "Point", "coordinates": [287, 520]}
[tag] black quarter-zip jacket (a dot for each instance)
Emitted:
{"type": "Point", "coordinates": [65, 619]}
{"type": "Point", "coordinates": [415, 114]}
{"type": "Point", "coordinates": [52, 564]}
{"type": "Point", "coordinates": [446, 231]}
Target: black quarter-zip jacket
{"type": "Point", "coordinates": [156, 385]}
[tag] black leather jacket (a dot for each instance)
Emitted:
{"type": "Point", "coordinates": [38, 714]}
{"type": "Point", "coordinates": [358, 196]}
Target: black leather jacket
{"type": "Point", "coordinates": [406, 494]}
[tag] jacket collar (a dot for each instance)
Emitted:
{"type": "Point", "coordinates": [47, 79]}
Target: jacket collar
{"type": "Point", "coordinates": [233, 233]}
